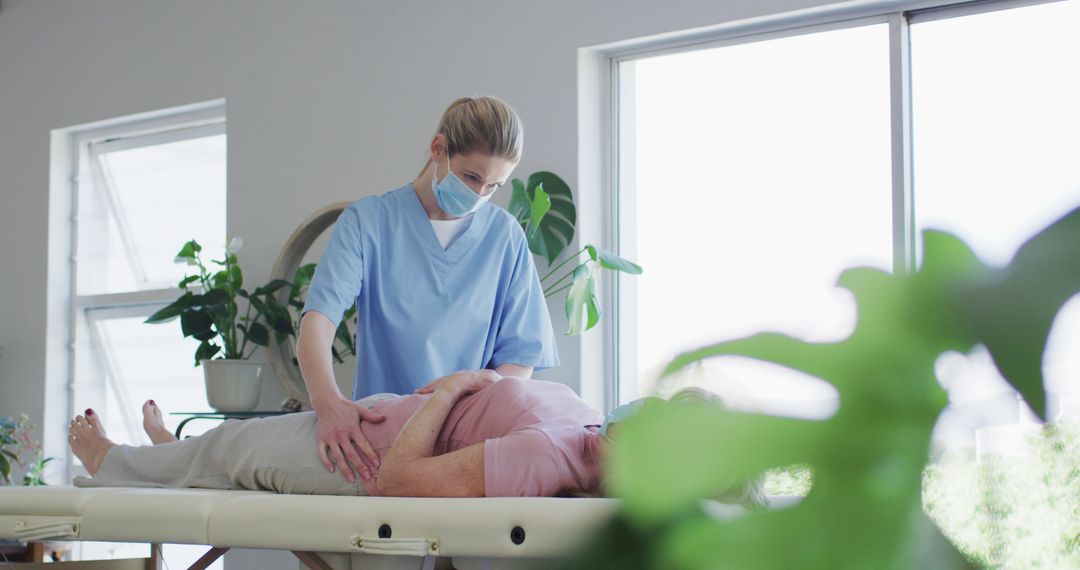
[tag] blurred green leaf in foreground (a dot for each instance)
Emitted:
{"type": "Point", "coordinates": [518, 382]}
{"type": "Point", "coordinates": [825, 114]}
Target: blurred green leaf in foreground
{"type": "Point", "coordinates": [864, 509]}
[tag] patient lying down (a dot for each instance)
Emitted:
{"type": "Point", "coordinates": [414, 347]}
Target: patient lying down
{"type": "Point", "coordinates": [472, 437]}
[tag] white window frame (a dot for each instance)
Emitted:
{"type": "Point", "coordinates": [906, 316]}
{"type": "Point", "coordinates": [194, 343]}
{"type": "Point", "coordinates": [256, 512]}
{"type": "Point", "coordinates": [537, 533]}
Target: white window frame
{"type": "Point", "coordinates": [612, 94]}
{"type": "Point", "coordinates": [88, 364]}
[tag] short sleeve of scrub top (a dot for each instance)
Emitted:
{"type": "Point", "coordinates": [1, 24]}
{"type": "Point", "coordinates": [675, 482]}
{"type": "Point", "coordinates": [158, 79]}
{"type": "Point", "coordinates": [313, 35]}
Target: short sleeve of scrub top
{"type": "Point", "coordinates": [523, 312]}
{"type": "Point", "coordinates": [339, 273]}
{"type": "Point", "coordinates": [424, 311]}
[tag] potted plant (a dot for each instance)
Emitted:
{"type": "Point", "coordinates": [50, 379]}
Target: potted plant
{"type": "Point", "coordinates": [209, 312]}
{"type": "Point", "coordinates": [544, 206]}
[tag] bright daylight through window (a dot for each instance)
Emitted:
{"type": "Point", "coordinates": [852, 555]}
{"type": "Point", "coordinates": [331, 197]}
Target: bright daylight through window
{"type": "Point", "coordinates": [140, 199]}
{"type": "Point", "coordinates": [751, 174]}
{"type": "Point", "coordinates": [140, 196]}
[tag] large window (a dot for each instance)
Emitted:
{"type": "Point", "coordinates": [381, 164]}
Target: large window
{"type": "Point", "coordinates": [753, 169]}
{"type": "Point", "coordinates": [140, 197]}
{"type": "Point", "coordinates": [996, 121]}
{"type": "Point", "coordinates": [142, 189]}
{"type": "Point", "coordinates": [759, 171]}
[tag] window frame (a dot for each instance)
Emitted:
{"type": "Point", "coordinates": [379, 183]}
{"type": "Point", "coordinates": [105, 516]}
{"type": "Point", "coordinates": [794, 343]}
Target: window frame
{"type": "Point", "coordinates": [617, 203]}
{"type": "Point", "coordinates": [88, 363]}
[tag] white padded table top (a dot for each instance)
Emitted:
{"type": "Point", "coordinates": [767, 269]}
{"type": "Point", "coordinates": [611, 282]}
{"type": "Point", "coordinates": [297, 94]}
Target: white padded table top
{"type": "Point", "coordinates": [113, 514]}
{"type": "Point", "coordinates": [489, 527]}
{"type": "Point", "coordinates": [495, 527]}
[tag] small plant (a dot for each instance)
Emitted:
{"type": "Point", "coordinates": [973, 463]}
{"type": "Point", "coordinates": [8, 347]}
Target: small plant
{"type": "Point", "coordinates": [209, 312]}
{"type": "Point", "coordinates": [208, 309]}
{"type": "Point", "coordinates": [544, 206]}
{"type": "Point", "coordinates": [17, 446]}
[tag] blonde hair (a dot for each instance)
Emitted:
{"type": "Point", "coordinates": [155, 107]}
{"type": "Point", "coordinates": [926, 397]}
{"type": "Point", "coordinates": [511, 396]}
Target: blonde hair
{"type": "Point", "coordinates": [482, 124]}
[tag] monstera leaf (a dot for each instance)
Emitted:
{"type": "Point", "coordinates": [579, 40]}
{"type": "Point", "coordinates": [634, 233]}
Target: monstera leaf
{"type": "Point", "coordinates": [581, 301]}
{"type": "Point", "coordinates": [864, 510]}
{"type": "Point", "coordinates": [1013, 313]}
{"type": "Point", "coordinates": [582, 305]}
{"type": "Point", "coordinates": [545, 209]}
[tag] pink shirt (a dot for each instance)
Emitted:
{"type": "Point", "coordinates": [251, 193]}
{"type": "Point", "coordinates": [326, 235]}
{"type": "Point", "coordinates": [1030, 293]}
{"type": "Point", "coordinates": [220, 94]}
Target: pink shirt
{"type": "Point", "coordinates": [533, 434]}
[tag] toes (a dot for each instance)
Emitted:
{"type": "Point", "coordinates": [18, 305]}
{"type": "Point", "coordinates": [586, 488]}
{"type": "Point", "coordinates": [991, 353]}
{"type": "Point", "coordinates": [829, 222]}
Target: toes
{"type": "Point", "coordinates": [77, 429]}
{"type": "Point", "coordinates": [93, 419]}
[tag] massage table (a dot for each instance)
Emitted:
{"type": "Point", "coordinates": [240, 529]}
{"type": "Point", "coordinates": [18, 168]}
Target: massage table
{"type": "Point", "coordinates": [394, 532]}
{"type": "Point", "coordinates": [372, 532]}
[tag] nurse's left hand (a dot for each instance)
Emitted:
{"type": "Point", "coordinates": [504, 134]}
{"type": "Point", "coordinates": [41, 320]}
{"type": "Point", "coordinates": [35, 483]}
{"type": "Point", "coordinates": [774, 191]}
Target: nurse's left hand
{"type": "Point", "coordinates": [481, 378]}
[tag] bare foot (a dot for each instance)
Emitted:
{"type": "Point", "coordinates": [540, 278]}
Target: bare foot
{"type": "Point", "coordinates": [154, 424]}
{"type": "Point", "coordinates": [87, 439]}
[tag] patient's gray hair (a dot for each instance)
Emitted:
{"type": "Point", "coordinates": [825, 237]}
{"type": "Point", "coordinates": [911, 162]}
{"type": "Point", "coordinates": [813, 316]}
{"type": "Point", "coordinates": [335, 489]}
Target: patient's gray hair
{"type": "Point", "coordinates": [749, 493]}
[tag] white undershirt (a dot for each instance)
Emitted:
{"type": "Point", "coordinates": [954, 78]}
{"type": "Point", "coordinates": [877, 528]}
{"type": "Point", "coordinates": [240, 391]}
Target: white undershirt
{"type": "Point", "coordinates": [448, 230]}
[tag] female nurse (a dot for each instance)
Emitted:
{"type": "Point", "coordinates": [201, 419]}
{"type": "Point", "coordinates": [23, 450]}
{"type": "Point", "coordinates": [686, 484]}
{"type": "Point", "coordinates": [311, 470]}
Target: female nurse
{"type": "Point", "coordinates": [442, 280]}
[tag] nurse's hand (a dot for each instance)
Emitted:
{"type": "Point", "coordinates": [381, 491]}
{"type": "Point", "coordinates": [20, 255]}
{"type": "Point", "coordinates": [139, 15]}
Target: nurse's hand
{"type": "Point", "coordinates": [487, 375]}
{"type": "Point", "coordinates": [341, 442]}
{"type": "Point", "coordinates": [463, 383]}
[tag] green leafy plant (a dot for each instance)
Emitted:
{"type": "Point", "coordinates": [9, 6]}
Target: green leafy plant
{"type": "Point", "coordinates": [208, 309]}
{"type": "Point", "coordinates": [864, 507]}
{"type": "Point", "coordinates": [544, 206]}
{"type": "Point", "coordinates": [18, 447]}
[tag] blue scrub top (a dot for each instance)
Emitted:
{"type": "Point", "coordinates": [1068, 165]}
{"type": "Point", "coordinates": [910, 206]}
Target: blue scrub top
{"type": "Point", "coordinates": [425, 312]}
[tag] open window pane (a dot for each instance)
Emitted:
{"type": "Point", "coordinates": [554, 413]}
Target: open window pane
{"type": "Point", "coordinates": [140, 362]}
{"type": "Point", "coordinates": [750, 176]}
{"type": "Point", "coordinates": [139, 205]}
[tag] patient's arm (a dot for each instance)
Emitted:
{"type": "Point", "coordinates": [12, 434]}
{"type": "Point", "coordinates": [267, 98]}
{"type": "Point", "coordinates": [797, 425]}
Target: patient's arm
{"type": "Point", "coordinates": [409, 470]}
{"type": "Point", "coordinates": [515, 370]}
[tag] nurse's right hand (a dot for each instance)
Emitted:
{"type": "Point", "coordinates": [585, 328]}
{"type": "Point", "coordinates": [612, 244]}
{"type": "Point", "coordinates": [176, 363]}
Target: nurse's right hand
{"type": "Point", "coordinates": [341, 443]}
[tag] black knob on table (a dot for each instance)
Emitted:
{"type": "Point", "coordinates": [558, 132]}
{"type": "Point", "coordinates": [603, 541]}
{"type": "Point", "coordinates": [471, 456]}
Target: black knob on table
{"type": "Point", "coordinates": [517, 535]}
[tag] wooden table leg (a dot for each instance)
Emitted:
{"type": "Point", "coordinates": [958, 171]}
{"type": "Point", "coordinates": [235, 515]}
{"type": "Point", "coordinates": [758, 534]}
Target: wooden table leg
{"type": "Point", "coordinates": [153, 562]}
{"type": "Point", "coordinates": [35, 551]}
{"type": "Point", "coordinates": [208, 558]}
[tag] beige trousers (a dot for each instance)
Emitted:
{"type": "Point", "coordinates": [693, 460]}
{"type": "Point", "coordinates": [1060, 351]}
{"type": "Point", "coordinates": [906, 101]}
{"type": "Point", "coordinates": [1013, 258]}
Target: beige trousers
{"type": "Point", "coordinates": [277, 453]}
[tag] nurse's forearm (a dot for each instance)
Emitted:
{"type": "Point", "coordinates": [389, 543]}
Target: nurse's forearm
{"type": "Point", "coordinates": [313, 353]}
{"type": "Point", "coordinates": [515, 370]}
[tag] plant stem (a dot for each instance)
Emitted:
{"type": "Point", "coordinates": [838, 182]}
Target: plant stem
{"type": "Point", "coordinates": [559, 266]}
{"type": "Point", "coordinates": [561, 279]}
{"type": "Point", "coordinates": [559, 290]}
{"type": "Point", "coordinates": [247, 321]}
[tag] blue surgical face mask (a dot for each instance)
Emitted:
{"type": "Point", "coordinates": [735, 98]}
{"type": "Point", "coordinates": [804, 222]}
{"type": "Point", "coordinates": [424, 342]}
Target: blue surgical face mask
{"type": "Point", "coordinates": [454, 196]}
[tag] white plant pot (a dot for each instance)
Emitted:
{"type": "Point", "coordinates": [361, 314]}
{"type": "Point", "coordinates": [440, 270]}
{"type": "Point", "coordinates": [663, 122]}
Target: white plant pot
{"type": "Point", "coordinates": [232, 385]}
